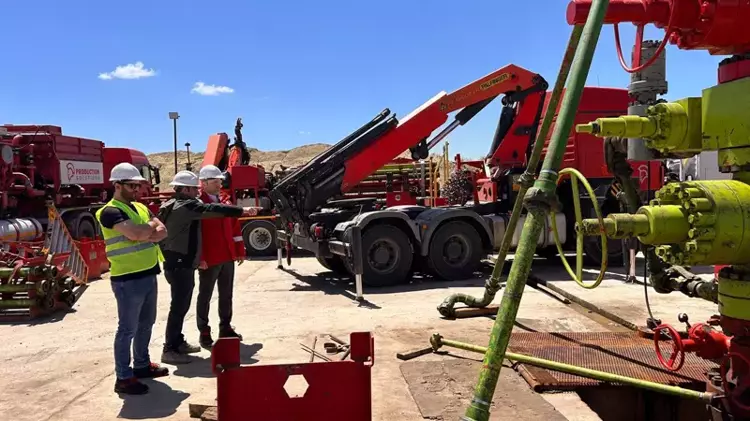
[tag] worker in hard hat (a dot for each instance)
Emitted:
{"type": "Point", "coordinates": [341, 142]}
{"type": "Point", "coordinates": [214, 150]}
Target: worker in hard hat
{"type": "Point", "coordinates": [130, 233]}
{"type": "Point", "coordinates": [222, 246]}
{"type": "Point", "coordinates": [182, 214]}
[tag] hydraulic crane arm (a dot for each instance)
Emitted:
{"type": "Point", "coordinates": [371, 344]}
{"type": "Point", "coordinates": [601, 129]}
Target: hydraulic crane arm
{"type": "Point", "coordinates": [363, 152]}
{"type": "Point", "coordinates": [412, 132]}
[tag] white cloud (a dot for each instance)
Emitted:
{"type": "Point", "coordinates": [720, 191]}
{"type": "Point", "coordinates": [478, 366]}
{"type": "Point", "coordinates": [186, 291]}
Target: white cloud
{"type": "Point", "coordinates": [302, 132]}
{"type": "Point", "coordinates": [128, 71]}
{"type": "Point", "coordinates": [201, 88]}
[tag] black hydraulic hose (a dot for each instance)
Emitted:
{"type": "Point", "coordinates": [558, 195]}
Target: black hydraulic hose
{"type": "Point", "coordinates": [503, 125]}
{"type": "Point", "coordinates": [293, 177]}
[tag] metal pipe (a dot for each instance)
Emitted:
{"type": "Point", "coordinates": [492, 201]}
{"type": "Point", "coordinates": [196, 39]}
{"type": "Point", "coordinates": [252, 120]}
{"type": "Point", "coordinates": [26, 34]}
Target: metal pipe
{"type": "Point", "coordinates": [446, 308]}
{"type": "Point", "coordinates": [437, 341]}
{"type": "Point", "coordinates": [18, 304]}
{"type": "Point", "coordinates": [443, 133]}
{"type": "Point", "coordinates": [539, 201]}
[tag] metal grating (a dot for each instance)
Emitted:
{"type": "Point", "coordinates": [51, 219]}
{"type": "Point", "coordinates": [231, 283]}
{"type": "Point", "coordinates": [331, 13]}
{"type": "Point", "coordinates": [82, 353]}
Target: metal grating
{"type": "Point", "coordinates": [622, 353]}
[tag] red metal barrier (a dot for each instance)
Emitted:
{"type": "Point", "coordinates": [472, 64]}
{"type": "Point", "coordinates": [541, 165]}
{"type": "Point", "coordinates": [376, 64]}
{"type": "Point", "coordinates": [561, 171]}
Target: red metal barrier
{"type": "Point", "coordinates": [338, 389]}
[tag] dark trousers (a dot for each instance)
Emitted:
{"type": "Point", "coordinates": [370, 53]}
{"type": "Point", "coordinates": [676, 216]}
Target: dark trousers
{"type": "Point", "coordinates": [223, 275]}
{"type": "Point", "coordinates": [181, 282]}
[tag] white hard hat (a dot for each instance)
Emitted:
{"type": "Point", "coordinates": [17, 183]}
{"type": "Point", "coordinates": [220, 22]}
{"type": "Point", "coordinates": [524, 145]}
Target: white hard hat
{"type": "Point", "coordinates": [185, 179]}
{"type": "Point", "coordinates": [125, 171]}
{"type": "Point", "coordinates": [210, 171]}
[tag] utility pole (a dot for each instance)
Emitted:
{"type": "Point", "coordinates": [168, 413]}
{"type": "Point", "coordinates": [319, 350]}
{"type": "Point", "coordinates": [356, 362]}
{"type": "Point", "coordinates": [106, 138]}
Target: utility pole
{"type": "Point", "coordinates": [174, 116]}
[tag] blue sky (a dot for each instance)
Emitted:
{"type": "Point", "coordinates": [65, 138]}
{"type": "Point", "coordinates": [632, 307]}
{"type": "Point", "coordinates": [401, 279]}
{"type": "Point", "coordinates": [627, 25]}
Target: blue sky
{"type": "Point", "coordinates": [299, 71]}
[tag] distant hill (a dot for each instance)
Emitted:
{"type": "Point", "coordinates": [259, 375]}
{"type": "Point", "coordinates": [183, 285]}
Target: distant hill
{"type": "Point", "coordinates": [270, 160]}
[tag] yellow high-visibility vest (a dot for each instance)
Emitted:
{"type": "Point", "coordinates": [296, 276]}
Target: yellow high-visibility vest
{"type": "Point", "coordinates": [126, 256]}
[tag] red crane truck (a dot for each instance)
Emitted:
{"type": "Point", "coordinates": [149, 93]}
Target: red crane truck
{"type": "Point", "coordinates": [385, 246]}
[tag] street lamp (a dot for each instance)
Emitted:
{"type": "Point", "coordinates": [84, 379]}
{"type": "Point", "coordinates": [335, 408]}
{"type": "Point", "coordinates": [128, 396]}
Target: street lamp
{"type": "Point", "coordinates": [174, 116]}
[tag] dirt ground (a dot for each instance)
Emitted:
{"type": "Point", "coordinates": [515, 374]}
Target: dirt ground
{"type": "Point", "coordinates": [62, 369]}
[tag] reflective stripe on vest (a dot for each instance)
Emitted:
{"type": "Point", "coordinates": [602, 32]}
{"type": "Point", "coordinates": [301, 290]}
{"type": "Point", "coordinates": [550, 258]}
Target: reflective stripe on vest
{"type": "Point", "coordinates": [127, 256]}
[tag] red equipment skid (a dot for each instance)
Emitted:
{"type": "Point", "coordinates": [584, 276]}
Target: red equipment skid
{"type": "Point", "coordinates": [257, 392]}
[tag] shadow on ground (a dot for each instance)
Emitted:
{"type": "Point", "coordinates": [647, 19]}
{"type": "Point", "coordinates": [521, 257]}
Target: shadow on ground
{"type": "Point", "coordinates": [162, 401]}
{"type": "Point", "coordinates": [201, 367]}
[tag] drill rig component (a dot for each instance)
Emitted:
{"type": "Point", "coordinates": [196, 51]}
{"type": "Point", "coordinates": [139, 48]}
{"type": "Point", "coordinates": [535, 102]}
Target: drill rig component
{"type": "Point", "coordinates": [437, 342]}
{"type": "Point", "coordinates": [690, 223]}
{"type": "Point", "coordinates": [697, 222]}
{"type": "Point", "coordinates": [446, 308]}
{"type": "Point", "coordinates": [644, 90]}
{"type": "Point", "coordinates": [539, 201]}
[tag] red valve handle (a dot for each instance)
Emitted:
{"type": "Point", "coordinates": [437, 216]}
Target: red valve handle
{"type": "Point", "coordinates": [678, 348]}
{"type": "Point", "coordinates": [737, 392]}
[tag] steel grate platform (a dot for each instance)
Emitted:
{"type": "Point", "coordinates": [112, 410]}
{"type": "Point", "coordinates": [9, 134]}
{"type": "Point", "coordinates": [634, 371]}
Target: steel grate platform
{"type": "Point", "coordinates": [622, 353]}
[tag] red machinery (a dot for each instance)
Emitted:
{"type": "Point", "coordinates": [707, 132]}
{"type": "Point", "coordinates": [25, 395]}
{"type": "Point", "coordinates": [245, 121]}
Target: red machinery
{"type": "Point", "coordinates": [38, 163]}
{"type": "Point", "coordinates": [721, 28]}
{"type": "Point", "coordinates": [260, 392]}
{"type": "Point", "coordinates": [450, 242]}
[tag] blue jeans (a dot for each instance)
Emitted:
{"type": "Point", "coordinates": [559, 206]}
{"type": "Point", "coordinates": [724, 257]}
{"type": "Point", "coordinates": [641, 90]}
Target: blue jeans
{"type": "Point", "coordinates": [136, 313]}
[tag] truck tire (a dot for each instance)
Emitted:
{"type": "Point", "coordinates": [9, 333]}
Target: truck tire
{"type": "Point", "coordinates": [86, 229]}
{"type": "Point", "coordinates": [80, 224]}
{"type": "Point", "coordinates": [455, 251]}
{"type": "Point", "coordinates": [387, 256]}
{"type": "Point", "coordinates": [335, 264]}
{"type": "Point", "coordinates": [260, 238]}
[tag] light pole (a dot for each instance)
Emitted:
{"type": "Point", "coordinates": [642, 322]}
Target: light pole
{"type": "Point", "coordinates": [174, 116]}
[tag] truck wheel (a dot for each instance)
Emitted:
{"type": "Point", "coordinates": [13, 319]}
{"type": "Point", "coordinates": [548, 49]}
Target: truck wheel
{"type": "Point", "coordinates": [260, 238]}
{"type": "Point", "coordinates": [335, 264]}
{"type": "Point", "coordinates": [86, 229]}
{"type": "Point", "coordinates": [455, 251]}
{"type": "Point", "coordinates": [387, 256]}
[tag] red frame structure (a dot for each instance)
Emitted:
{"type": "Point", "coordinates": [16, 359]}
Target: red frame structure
{"type": "Point", "coordinates": [257, 392]}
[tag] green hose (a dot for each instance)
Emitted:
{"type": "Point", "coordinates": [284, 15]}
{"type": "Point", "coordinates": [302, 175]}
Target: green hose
{"type": "Point", "coordinates": [437, 341]}
{"type": "Point", "coordinates": [539, 200]}
{"type": "Point", "coordinates": [446, 308]}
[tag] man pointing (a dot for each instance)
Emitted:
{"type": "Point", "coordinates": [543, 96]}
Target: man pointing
{"type": "Point", "coordinates": [222, 246]}
{"type": "Point", "coordinates": [182, 215]}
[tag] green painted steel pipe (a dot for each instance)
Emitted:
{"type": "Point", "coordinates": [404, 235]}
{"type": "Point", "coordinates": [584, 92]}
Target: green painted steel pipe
{"type": "Point", "coordinates": [446, 308]}
{"type": "Point", "coordinates": [539, 201]}
{"type": "Point", "coordinates": [24, 272]}
{"type": "Point", "coordinates": [18, 304]}
{"type": "Point", "coordinates": [12, 288]}
{"type": "Point", "coordinates": [437, 341]}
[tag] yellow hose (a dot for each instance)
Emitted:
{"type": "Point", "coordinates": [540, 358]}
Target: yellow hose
{"type": "Point", "coordinates": [576, 176]}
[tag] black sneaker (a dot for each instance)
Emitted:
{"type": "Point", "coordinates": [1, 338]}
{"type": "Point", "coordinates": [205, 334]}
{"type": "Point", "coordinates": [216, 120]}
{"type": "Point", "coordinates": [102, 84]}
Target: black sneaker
{"type": "Point", "coordinates": [151, 371]}
{"type": "Point", "coordinates": [206, 340]}
{"type": "Point", "coordinates": [130, 386]}
{"type": "Point", "coordinates": [229, 333]}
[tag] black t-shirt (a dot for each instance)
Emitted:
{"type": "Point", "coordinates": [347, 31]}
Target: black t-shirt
{"type": "Point", "coordinates": [112, 216]}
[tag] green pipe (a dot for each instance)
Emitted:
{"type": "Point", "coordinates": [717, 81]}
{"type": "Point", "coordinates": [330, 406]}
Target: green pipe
{"type": "Point", "coordinates": [446, 308]}
{"type": "Point", "coordinates": [437, 341]}
{"type": "Point", "coordinates": [18, 304]}
{"type": "Point", "coordinates": [539, 201]}
{"type": "Point", "coordinates": [12, 288]}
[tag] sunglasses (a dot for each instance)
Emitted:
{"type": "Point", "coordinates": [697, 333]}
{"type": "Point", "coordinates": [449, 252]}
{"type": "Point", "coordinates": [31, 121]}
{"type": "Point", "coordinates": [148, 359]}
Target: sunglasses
{"type": "Point", "coordinates": [132, 186]}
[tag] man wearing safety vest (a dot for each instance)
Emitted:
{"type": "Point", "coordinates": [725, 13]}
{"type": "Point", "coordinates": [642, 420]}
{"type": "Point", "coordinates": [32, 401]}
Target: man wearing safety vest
{"type": "Point", "coordinates": [222, 246]}
{"type": "Point", "coordinates": [130, 233]}
{"type": "Point", "coordinates": [182, 215]}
